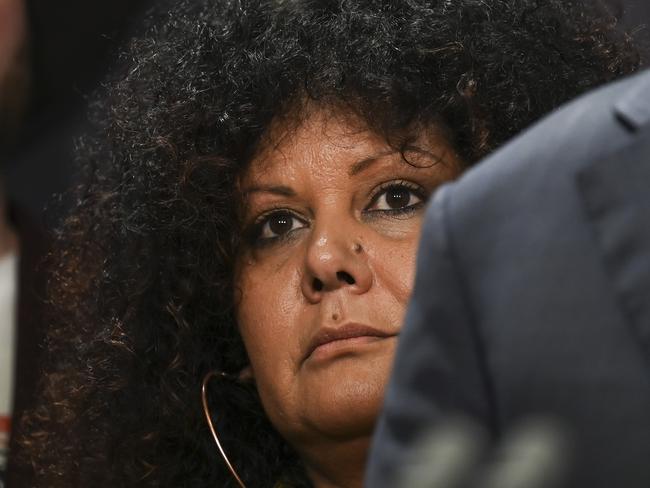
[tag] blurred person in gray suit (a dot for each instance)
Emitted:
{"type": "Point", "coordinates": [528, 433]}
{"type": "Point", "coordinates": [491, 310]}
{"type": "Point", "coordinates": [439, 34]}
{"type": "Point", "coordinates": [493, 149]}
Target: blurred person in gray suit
{"type": "Point", "coordinates": [532, 296]}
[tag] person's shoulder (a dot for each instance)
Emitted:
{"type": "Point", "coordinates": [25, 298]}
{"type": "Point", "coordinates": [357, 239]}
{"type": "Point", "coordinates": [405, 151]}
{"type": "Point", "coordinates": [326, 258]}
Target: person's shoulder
{"type": "Point", "coordinates": [595, 123]}
{"type": "Point", "coordinates": [590, 127]}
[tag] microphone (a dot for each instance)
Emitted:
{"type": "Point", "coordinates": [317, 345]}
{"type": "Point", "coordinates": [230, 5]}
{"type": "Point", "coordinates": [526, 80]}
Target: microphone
{"type": "Point", "coordinates": [456, 454]}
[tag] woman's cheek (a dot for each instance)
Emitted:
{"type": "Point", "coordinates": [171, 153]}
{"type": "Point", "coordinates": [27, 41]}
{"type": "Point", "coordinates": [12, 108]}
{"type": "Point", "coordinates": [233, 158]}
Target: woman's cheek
{"type": "Point", "coordinates": [267, 312]}
{"type": "Point", "coordinates": [394, 262]}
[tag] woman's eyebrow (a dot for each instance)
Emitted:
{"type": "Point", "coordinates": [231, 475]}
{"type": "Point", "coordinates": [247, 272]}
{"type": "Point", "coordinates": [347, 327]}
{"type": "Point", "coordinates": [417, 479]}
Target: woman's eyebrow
{"type": "Point", "coordinates": [365, 163]}
{"type": "Point", "coordinates": [286, 191]}
{"type": "Point", "coordinates": [281, 190]}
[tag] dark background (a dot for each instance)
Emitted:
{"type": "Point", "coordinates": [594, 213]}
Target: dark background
{"type": "Point", "coordinates": [73, 44]}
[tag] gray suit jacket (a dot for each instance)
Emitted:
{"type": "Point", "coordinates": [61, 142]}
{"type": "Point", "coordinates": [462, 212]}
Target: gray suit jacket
{"type": "Point", "coordinates": [532, 294]}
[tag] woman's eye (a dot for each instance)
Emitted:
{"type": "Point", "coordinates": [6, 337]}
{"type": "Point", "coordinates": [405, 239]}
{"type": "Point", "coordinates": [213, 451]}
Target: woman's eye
{"type": "Point", "coordinates": [397, 197]}
{"type": "Point", "coordinates": [279, 224]}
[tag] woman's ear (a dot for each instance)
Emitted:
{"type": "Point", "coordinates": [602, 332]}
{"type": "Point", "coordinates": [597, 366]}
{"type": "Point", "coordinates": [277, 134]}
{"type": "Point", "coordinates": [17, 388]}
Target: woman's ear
{"type": "Point", "coordinates": [246, 375]}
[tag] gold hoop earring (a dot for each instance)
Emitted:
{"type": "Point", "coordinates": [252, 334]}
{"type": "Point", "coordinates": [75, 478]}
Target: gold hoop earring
{"type": "Point", "coordinates": [208, 417]}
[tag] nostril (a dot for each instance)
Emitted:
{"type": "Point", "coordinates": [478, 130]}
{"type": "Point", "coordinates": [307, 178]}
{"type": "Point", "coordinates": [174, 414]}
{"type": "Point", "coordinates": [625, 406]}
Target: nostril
{"type": "Point", "coordinates": [347, 277]}
{"type": "Point", "coordinates": [317, 284]}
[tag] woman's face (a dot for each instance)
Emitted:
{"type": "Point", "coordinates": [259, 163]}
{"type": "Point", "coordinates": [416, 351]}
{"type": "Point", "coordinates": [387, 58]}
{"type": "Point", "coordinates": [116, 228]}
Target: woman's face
{"type": "Point", "coordinates": [332, 217]}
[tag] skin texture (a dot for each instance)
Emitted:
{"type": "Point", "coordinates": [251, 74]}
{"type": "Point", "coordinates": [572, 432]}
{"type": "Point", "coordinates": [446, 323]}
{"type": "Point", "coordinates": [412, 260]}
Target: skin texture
{"type": "Point", "coordinates": [317, 277]}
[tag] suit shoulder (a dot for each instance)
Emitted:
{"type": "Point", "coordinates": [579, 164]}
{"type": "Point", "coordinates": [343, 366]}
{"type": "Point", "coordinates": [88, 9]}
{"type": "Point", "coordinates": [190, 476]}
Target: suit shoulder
{"type": "Point", "coordinates": [600, 117]}
{"type": "Point", "coordinates": [581, 131]}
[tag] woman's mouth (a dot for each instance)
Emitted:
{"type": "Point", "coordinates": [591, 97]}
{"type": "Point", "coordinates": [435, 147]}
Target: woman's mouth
{"type": "Point", "coordinates": [329, 342]}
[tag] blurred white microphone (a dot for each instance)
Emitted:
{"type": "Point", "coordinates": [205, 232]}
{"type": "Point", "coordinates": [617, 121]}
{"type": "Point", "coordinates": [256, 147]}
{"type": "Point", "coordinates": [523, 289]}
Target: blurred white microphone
{"type": "Point", "coordinates": [455, 455]}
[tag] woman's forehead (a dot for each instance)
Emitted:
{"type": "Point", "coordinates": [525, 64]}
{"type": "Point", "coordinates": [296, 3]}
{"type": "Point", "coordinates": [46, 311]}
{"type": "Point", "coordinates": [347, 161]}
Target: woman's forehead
{"type": "Point", "coordinates": [315, 140]}
{"type": "Point", "coordinates": [331, 139]}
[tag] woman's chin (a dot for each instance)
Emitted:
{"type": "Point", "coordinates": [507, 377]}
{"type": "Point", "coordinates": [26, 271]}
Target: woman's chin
{"type": "Point", "coordinates": [343, 400]}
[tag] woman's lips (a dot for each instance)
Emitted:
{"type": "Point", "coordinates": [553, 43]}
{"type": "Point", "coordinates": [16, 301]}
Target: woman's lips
{"type": "Point", "coordinates": [330, 340]}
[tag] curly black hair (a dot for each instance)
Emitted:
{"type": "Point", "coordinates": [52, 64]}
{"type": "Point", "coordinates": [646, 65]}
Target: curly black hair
{"type": "Point", "coordinates": [142, 282]}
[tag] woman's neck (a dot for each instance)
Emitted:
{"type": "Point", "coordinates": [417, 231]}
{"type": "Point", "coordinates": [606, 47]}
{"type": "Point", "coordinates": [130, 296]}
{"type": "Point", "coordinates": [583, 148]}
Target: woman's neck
{"type": "Point", "coordinates": [339, 464]}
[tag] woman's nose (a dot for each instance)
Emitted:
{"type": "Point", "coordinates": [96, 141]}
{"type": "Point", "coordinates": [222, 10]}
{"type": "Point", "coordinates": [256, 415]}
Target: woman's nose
{"type": "Point", "coordinates": [335, 259]}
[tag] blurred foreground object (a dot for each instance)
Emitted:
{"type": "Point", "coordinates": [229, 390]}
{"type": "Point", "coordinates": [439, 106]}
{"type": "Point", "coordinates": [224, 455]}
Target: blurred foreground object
{"type": "Point", "coordinates": [531, 295]}
{"type": "Point", "coordinates": [455, 455]}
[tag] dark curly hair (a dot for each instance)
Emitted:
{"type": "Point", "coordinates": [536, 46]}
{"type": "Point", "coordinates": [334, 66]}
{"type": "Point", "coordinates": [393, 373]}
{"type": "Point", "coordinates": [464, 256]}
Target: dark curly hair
{"type": "Point", "coordinates": [142, 282]}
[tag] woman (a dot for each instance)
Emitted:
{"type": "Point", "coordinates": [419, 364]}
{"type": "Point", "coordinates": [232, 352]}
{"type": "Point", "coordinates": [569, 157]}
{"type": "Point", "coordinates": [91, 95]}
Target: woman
{"type": "Point", "coordinates": [250, 215]}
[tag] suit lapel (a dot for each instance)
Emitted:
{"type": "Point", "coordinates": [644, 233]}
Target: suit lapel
{"type": "Point", "coordinates": [616, 195]}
